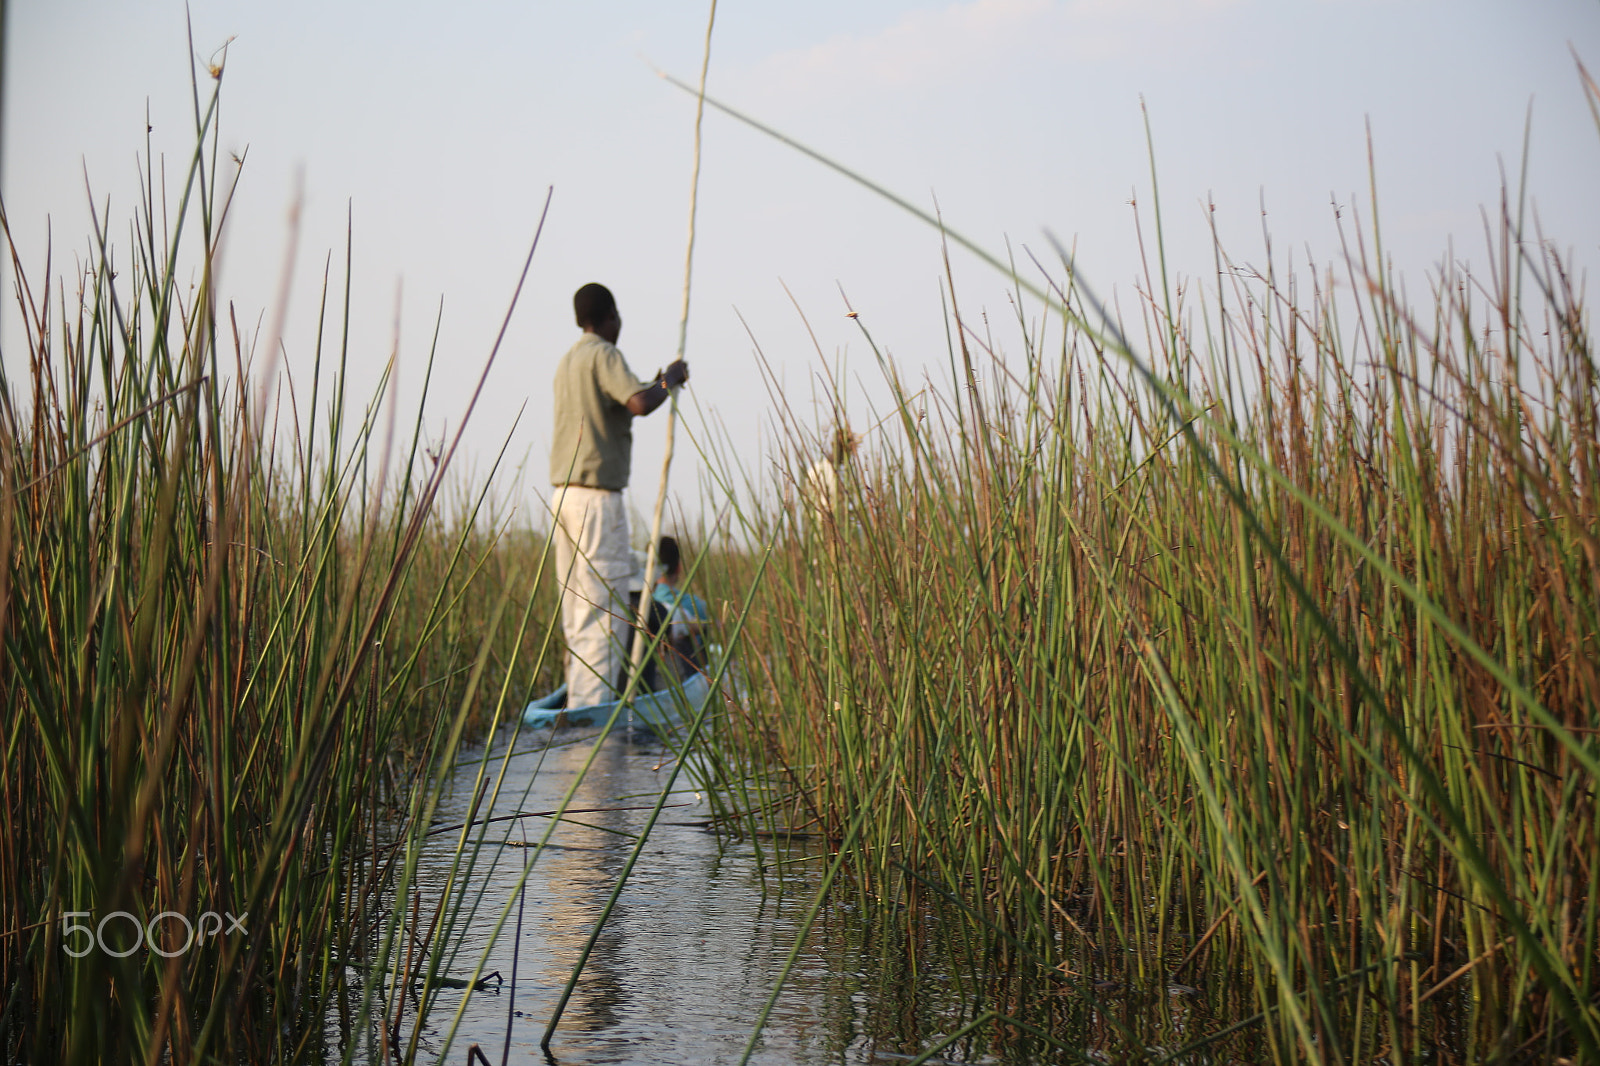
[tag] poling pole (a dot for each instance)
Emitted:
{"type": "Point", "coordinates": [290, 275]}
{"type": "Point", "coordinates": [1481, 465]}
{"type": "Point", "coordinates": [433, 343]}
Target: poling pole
{"type": "Point", "coordinates": [641, 622]}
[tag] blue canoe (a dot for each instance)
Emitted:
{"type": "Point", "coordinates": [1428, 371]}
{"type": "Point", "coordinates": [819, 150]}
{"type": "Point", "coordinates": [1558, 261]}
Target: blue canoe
{"type": "Point", "coordinates": [661, 712]}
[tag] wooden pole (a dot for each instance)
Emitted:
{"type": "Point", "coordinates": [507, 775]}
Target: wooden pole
{"type": "Point", "coordinates": [641, 631]}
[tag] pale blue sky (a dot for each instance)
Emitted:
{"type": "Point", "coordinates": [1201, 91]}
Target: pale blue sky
{"type": "Point", "coordinates": [444, 124]}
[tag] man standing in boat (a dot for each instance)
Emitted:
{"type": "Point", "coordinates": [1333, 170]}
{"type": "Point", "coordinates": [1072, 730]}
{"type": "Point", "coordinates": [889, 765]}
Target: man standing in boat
{"type": "Point", "coordinates": [596, 400]}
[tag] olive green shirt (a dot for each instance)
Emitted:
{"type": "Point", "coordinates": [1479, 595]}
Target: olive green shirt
{"type": "Point", "coordinates": [592, 440]}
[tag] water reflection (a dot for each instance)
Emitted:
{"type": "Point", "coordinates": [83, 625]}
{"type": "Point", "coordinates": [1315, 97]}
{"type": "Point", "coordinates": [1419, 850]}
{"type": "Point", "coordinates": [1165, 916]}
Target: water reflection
{"type": "Point", "coordinates": [691, 950]}
{"type": "Point", "coordinates": [703, 928]}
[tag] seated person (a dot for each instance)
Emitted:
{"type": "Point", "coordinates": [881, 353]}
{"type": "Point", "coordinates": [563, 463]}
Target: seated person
{"type": "Point", "coordinates": [687, 615]}
{"type": "Point", "coordinates": [651, 679]}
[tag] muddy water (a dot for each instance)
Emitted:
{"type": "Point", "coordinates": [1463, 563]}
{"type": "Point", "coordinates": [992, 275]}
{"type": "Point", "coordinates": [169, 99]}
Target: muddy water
{"type": "Point", "coordinates": [688, 955]}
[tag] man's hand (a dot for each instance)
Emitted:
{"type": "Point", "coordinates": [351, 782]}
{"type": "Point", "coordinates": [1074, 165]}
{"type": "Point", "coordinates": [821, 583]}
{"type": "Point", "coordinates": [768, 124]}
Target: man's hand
{"type": "Point", "coordinates": [648, 399]}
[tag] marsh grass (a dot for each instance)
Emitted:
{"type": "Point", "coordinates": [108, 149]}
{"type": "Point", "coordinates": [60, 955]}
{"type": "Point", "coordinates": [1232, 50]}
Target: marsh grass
{"type": "Point", "coordinates": [241, 650]}
{"type": "Point", "coordinates": [1260, 671]}
{"type": "Point", "coordinates": [1261, 668]}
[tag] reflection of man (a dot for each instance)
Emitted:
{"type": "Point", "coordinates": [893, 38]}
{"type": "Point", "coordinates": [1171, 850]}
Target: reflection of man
{"type": "Point", "coordinates": [596, 400]}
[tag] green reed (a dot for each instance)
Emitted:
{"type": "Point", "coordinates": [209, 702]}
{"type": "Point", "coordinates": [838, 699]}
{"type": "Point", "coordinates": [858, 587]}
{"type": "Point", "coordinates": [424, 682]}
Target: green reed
{"type": "Point", "coordinates": [239, 651]}
{"type": "Point", "coordinates": [1265, 665]}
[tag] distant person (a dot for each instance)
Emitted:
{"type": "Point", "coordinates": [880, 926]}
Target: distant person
{"type": "Point", "coordinates": [687, 616]}
{"type": "Point", "coordinates": [591, 451]}
{"type": "Point", "coordinates": [820, 490]}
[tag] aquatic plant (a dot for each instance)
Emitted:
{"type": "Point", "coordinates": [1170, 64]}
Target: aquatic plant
{"type": "Point", "coordinates": [239, 649]}
{"type": "Point", "coordinates": [1253, 662]}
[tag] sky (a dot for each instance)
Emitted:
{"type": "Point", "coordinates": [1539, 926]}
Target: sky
{"type": "Point", "coordinates": [437, 130]}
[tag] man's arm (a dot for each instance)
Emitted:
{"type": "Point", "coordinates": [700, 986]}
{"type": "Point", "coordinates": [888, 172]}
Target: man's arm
{"type": "Point", "coordinates": [654, 395]}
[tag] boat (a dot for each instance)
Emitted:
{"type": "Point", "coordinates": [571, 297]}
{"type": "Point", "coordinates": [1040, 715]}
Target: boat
{"type": "Point", "coordinates": [661, 712]}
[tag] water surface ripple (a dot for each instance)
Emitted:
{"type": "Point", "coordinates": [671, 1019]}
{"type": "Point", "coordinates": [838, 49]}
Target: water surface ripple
{"type": "Point", "coordinates": [691, 950]}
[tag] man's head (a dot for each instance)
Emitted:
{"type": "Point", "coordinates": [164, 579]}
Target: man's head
{"type": "Point", "coordinates": [596, 311]}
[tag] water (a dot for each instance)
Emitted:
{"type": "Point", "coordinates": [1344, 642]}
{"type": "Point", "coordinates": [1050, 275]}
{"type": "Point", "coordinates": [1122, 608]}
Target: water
{"type": "Point", "coordinates": [702, 930]}
{"type": "Point", "coordinates": [689, 954]}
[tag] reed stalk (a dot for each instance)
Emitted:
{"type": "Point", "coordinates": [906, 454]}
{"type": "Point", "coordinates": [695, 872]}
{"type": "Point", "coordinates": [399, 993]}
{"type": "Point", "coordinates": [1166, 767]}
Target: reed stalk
{"type": "Point", "coordinates": [1261, 653]}
{"type": "Point", "coordinates": [229, 637]}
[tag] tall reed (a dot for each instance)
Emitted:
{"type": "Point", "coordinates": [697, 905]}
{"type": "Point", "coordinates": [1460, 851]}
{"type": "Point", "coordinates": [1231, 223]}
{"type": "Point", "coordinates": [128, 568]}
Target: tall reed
{"type": "Point", "coordinates": [1266, 677]}
{"type": "Point", "coordinates": [238, 653]}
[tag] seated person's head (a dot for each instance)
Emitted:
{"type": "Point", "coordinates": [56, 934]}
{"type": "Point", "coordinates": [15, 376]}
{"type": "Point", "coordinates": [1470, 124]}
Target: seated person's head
{"type": "Point", "coordinates": [668, 558]}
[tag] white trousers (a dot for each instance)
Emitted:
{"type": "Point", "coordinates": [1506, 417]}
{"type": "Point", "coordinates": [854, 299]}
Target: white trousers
{"type": "Point", "coordinates": [595, 569]}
